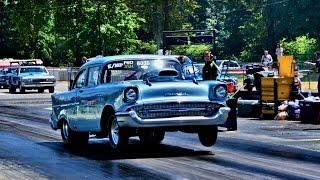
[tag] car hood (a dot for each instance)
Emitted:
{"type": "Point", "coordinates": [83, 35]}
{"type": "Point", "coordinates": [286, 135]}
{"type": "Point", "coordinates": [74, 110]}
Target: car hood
{"type": "Point", "coordinates": [173, 91]}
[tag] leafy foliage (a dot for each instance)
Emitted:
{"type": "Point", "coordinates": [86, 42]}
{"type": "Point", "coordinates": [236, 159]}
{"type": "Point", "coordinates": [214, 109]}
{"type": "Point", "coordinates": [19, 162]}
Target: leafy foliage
{"type": "Point", "coordinates": [302, 45]}
{"type": "Point", "coordinates": [196, 51]}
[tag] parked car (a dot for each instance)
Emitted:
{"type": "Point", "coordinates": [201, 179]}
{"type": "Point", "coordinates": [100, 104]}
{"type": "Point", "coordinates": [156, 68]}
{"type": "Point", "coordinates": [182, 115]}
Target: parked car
{"type": "Point", "coordinates": [32, 77]}
{"type": "Point", "coordinates": [230, 66]}
{"type": "Point", "coordinates": [137, 95]}
{"type": "Point", "coordinates": [2, 78]}
{"type": "Point", "coordinates": [5, 74]}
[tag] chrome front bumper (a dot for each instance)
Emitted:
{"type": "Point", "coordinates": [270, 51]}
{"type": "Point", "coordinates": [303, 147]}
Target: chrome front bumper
{"type": "Point", "coordinates": [131, 119]}
{"type": "Point", "coordinates": [38, 85]}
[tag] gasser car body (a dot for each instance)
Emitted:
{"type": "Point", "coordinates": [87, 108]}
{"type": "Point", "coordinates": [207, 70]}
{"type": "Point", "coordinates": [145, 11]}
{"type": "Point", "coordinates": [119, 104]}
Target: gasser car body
{"type": "Point", "coordinates": [137, 95]}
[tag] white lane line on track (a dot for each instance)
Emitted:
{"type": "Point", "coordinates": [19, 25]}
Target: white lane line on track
{"type": "Point", "coordinates": [49, 108]}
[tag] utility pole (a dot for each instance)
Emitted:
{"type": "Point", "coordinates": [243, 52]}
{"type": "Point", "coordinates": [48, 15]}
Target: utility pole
{"type": "Point", "coordinates": [214, 39]}
{"type": "Point", "coordinates": [2, 24]}
{"type": "Point", "coordinates": [166, 23]}
{"type": "Point", "coordinates": [99, 44]}
{"type": "Point", "coordinates": [270, 22]}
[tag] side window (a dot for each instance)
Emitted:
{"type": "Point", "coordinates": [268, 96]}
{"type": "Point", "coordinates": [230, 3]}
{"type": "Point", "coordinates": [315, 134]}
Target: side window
{"type": "Point", "coordinates": [80, 80]}
{"type": "Point", "coordinates": [224, 65]}
{"type": "Point", "coordinates": [232, 64]}
{"type": "Point", "coordinates": [93, 76]}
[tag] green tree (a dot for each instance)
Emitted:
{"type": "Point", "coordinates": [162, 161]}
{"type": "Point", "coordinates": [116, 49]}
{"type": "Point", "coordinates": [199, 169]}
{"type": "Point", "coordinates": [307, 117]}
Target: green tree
{"type": "Point", "coordinates": [302, 47]}
{"type": "Point", "coordinates": [30, 20]}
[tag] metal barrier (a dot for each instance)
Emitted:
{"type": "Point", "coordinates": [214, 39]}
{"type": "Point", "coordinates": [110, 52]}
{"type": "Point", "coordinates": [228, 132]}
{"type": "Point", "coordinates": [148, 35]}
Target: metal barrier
{"type": "Point", "coordinates": [63, 73]}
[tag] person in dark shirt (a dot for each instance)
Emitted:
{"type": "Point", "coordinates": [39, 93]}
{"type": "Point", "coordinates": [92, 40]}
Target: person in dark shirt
{"type": "Point", "coordinates": [210, 69]}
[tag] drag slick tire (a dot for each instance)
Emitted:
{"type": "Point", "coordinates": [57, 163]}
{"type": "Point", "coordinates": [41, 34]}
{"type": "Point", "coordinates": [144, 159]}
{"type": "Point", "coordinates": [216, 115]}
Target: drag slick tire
{"type": "Point", "coordinates": [51, 90]}
{"type": "Point", "coordinates": [40, 90]}
{"type": "Point", "coordinates": [12, 89]}
{"type": "Point", "coordinates": [208, 135]}
{"type": "Point", "coordinates": [117, 136]}
{"type": "Point", "coordinates": [71, 137]}
{"type": "Point", "coordinates": [151, 137]}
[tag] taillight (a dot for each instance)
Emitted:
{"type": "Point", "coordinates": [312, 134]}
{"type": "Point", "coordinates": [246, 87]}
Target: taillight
{"type": "Point", "coordinates": [231, 87]}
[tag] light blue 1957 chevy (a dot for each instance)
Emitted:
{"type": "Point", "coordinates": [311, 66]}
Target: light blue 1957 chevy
{"type": "Point", "coordinates": [137, 95]}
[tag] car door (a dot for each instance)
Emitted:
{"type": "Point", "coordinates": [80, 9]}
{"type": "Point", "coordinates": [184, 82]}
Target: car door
{"type": "Point", "coordinates": [88, 98]}
{"type": "Point", "coordinates": [73, 112]}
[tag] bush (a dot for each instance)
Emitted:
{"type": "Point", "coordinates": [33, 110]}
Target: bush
{"type": "Point", "coordinates": [196, 51]}
{"type": "Point", "coordinates": [301, 47]}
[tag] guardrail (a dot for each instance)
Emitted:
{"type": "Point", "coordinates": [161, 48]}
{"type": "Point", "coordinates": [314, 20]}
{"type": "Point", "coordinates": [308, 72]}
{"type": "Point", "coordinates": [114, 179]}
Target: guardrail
{"type": "Point", "coordinates": [63, 73]}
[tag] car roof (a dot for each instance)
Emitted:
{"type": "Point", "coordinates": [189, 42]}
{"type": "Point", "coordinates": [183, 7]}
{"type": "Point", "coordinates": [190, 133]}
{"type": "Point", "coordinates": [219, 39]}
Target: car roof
{"type": "Point", "coordinates": [107, 59]}
{"type": "Point", "coordinates": [30, 66]}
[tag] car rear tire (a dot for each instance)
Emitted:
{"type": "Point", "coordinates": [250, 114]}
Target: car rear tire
{"type": "Point", "coordinates": [12, 89]}
{"type": "Point", "coordinates": [41, 90]}
{"type": "Point", "coordinates": [117, 136]}
{"type": "Point", "coordinates": [151, 137]}
{"type": "Point", "coordinates": [51, 90]}
{"type": "Point", "coordinates": [208, 135]}
{"type": "Point", "coordinates": [71, 138]}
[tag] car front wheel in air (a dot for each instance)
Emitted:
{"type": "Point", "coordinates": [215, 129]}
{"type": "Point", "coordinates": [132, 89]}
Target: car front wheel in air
{"type": "Point", "coordinates": [71, 137]}
{"type": "Point", "coordinates": [208, 135]}
{"type": "Point", "coordinates": [117, 136]}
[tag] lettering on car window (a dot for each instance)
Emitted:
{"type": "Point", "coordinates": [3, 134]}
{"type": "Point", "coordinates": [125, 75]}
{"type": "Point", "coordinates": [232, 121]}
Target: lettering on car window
{"type": "Point", "coordinates": [115, 65]}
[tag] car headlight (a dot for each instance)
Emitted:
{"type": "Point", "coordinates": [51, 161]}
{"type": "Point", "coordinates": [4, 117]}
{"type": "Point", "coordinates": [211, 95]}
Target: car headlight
{"type": "Point", "coordinates": [130, 95]}
{"type": "Point", "coordinates": [51, 80]}
{"type": "Point", "coordinates": [220, 91]}
{"type": "Point", "coordinates": [26, 80]}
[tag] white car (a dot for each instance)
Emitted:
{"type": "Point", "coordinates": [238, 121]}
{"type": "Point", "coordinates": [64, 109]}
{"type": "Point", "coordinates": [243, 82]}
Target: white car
{"type": "Point", "coordinates": [229, 65]}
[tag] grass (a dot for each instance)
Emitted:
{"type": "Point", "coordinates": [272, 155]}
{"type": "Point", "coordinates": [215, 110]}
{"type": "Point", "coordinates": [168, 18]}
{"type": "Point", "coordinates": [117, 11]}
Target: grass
{"type": "Point", "coordinates": [304, 85]}
{"type": "Point", "coordinates": [313, 85]}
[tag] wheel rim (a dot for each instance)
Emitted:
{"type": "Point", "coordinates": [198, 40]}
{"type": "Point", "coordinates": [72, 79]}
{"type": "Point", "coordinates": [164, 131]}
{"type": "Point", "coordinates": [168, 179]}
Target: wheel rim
{"type": "Point", "coordinates": [115, 131]}
{"type": "Point", "coordinates": [65, 130]}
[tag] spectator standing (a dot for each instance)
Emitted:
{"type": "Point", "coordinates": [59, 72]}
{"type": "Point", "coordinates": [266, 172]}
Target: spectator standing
{"type": "Point", "coordinates": [279, 51]}
{"type": "Point", "coordinates": [266, 59]}
{"type": "Point", "coordinates": [210, 69]}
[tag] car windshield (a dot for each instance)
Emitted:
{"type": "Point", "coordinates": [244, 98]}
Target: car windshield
{"type": "Point", "coordinates": [218, 62]}
{"type": "Point", "coordinates": [37, 70]}
{"type": "Point", "coordinates": [10, 70]}
{"type": "Point", "coordinates": [143, 69]}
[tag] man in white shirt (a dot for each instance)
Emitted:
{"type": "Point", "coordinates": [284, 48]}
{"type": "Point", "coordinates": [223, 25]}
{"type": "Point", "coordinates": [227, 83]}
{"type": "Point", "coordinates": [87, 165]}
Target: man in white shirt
{"type": "Point", "coordinates": [279, 51]}
{"type": "Point", "coordinates": [266, 59]}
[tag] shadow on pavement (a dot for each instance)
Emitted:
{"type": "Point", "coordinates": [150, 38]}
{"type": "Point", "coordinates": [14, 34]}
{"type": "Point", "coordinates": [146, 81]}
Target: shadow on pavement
{"type": "Point", "coordinates": [135, 150]}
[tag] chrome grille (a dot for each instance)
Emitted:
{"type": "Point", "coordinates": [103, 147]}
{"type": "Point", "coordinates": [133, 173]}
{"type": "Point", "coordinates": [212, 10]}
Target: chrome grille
{"type": "Point", "coordinates": [39, 80]}
{"type": "Point", "coordinates": [167, 110]}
